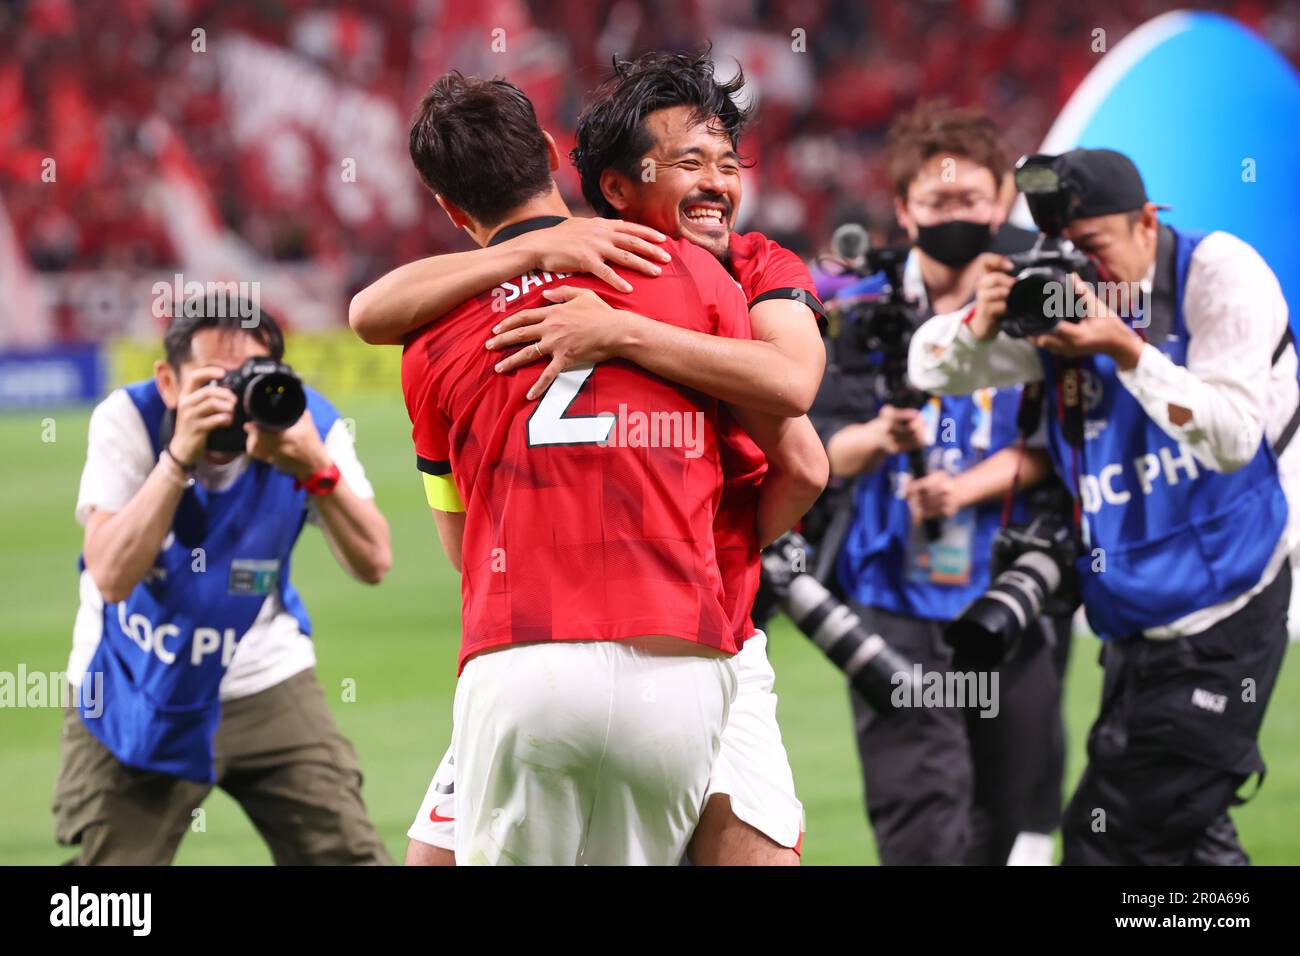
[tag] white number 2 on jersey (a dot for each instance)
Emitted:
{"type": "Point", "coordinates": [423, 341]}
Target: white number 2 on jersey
{"type": "Point", "coordinates": [548, 426]}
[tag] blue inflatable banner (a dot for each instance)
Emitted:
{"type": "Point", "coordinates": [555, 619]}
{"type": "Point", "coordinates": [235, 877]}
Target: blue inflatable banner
{"type": "Point", "coordinates": [1211, 115]}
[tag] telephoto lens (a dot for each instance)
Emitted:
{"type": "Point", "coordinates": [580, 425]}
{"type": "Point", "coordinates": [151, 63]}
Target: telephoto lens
{"type": "Point", "coordinates": [988, 629]}
{"type": "Point", "coordinates": [876, 671]}
{"type": "Point", "coordinates": [1034, 574]}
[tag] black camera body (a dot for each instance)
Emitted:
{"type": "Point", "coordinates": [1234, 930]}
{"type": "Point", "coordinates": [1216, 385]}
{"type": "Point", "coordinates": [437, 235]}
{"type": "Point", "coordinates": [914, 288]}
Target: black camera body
{"type": "Point", "coordinates": [1050, 534]}
{"type": "Point", "coordinates": [1036, 303]}
{"type": "Point", "coordinates": [1033, 574]}
{"type": "Point", "coordinates": [873, 335]}
{"type": "Point", "coordinates": [270, 395]}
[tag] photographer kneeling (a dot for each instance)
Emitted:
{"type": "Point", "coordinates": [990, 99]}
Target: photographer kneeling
{"type": "Point", "coordinates": [196, 486]}
{"type": "Point", "coordinates": [947, 781]}
{"type": "Point", "coordinates": [1168, 410]}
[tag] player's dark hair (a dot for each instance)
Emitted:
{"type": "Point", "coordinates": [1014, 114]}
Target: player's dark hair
{"type": "Point", "coordinates": [933, 128]}
{"type": "Point", "coordinates": [219, 310]}
{"type": "Point", "coordinates": [612, 132]}
{"type": "Point", "coordinates": [478, 144]}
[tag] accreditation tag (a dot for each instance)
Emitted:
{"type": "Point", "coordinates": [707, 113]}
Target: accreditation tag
{"type": "Point", "coordinates": [254, 577]}
{"type": "Point", "coordinates": [947, 560]}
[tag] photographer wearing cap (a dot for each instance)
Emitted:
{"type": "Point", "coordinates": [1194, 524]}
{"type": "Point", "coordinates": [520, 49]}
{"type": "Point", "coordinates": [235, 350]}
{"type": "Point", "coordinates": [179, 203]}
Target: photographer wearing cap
{"type": "Point", "coordinates": [946, 782]}
{"type": "Point", "coordinates": [1172, 397]}
{"type": "Point", "coordinates": [196, 486]}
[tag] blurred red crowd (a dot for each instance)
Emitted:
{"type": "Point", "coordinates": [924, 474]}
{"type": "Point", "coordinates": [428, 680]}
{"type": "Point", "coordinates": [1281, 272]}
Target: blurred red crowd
{"type": "Point", "coordinates": [90, 84]}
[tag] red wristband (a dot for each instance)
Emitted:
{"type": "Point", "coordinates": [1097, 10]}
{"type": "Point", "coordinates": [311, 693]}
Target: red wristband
{"type": "Point", "coordinates": [320, 483]}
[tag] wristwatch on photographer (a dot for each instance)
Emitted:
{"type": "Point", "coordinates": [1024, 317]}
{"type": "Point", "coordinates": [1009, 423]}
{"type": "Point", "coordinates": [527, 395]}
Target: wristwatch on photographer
{"type": "Point", "coordinates": [322, 482]}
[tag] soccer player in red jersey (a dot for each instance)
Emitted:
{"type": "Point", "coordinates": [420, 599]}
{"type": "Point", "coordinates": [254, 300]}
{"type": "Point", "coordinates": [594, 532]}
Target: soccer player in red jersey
{"type": "Point", "coordinates": [586, 542]}
{"type": "Point", "coordinates": [752, 815]}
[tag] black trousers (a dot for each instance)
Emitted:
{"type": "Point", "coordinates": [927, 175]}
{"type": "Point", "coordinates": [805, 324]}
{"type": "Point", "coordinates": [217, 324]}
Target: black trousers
{"type": "Point", "coordinates": [947, 786]}
{"type": "Point", "coordinates": [1176, 738]}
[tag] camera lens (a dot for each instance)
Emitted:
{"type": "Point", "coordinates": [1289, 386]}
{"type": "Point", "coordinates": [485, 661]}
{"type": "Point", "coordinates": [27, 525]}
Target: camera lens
{"type": "Point", "coordinates": [987, 630]}
{"type": "Point", "coordinates": [274, 401]}
{"type": "Point", "coordinates": [1034, 304]}
{"type": "Point", "coordinates": [875, 669]}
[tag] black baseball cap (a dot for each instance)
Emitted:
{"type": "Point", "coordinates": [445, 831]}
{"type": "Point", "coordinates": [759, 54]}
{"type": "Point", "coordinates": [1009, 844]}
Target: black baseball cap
{"type": "Point", "coordinates": [1105, 182]}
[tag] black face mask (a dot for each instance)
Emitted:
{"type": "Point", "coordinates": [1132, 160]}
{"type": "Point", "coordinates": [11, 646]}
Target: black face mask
{"type": "Point", "coordinates": [956, 242]}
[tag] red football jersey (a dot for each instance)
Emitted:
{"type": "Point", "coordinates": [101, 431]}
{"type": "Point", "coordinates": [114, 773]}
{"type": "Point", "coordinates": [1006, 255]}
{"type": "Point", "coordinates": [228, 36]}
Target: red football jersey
{"type": "Point", "coordinates": [589, 513]}
{"type": "Point", "coordinates": [764, 270]}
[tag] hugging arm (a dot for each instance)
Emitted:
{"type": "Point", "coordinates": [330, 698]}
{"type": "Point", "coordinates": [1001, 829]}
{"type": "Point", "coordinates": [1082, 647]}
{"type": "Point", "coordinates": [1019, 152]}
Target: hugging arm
{"type": "Point", "coordinates": [420, 292]}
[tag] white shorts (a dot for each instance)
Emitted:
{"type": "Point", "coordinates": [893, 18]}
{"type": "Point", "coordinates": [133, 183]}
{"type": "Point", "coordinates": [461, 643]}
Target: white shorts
{"type": "Point", "coordinates": [435, 824]}
{"type": "Point", "coordinates": [752, 766]}
{"type": "Point", "coordinates": [586, 752]}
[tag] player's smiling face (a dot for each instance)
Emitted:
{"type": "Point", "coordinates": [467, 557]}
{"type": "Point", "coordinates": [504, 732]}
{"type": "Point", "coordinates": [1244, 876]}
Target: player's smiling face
{"type": "Point", "coordinates": [689, 181]}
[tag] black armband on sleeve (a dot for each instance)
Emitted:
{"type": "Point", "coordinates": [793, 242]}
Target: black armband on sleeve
{"type": "Point", "coordinates": [802, 296]}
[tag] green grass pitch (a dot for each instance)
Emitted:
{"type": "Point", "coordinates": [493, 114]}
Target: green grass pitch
{"type": "Point", "coordinates": [398, 641]}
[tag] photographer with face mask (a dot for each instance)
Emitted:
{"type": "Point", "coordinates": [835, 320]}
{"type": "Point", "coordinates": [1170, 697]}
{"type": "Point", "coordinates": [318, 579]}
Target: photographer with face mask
{"type": "Point", "coordinates": [1171, 389]}
{"type": "Point", "coordinates": [947, 781]}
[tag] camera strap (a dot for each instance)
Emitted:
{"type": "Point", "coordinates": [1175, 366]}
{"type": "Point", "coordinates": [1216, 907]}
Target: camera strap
{"type": "Point", "coordinates": [828, 549]}
{"type": "Point", "coordinates": [1010, 496]}
{"type": "Point", "coordinates": [1069, 405]}
{"type": "Point", "coordinates": [1027, 418]}
{"type": "Point", "coordinates": [1289, 431]}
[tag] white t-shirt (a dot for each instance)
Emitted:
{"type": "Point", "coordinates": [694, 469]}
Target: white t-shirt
{"type": "Point", "coordinates": [119, 457]}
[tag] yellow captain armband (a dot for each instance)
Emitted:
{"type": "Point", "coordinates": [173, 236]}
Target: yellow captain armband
{"type": "Point", "coordinates": [441, 493]}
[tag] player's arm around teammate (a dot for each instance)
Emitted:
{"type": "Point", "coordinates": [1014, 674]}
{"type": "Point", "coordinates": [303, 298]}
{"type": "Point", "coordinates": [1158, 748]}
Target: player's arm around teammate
{"type": "Point", "coordinates": [583, 328]}
{"type": "Point", "coordinates": [766, 394]}
{"type": "Point", "coordinates": [420, 292]}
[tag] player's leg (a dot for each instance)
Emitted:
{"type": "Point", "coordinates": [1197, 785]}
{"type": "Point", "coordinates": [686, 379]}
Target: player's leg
{"type": "Point", "coordinates": [423, 854]}
{"type": "Point", "coordinates": [296, 776]}
{"type": "Point", "coordinates": [723, 839]}
{"type": "Point", "coordinates": [120, 816]}
{"type": "Point", "coordinates": [669, 708]}
{"type": "Point", "coordinates": [752, 816]}
{"type": "Point", "coordinates": [432, 834]}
